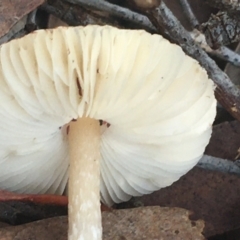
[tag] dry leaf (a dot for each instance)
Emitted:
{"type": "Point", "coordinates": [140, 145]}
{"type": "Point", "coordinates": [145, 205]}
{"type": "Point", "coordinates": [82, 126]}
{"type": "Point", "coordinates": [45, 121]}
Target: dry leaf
{"type": "Point", "coordinates": [212, 196]}
{"type": "Point", "coordinates": [225, 141]}
{"type": "Point", "coordinates": [148, 223]}
{"type": "Point", "coordinates": [12, 12]}
{"type": "Point", "coordinates": [151, 223]}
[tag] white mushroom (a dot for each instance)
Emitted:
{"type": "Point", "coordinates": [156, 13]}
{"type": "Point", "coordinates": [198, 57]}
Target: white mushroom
{"type": "Point", "coordinates": [158, 102]}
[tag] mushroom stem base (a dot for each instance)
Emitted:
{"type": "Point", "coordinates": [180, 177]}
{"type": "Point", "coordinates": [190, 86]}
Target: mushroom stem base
{"type": "Point", "coordinates": [84, 180]}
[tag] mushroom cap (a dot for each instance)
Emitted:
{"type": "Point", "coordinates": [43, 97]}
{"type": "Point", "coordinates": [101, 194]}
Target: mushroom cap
{"type": "Point", "coordinates": [158, 101]}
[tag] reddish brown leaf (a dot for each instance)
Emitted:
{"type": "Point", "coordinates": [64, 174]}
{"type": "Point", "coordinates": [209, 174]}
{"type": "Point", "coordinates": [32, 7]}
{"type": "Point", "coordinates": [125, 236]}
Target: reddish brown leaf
{"type": "Point", "coordinates": [12, 11]}
{"type": "Point", "coordinates": [141, 223]}
{"type": "Point", "coordinates": [212, 196]}
{"type": "Point", "coordinates": [225, 141]}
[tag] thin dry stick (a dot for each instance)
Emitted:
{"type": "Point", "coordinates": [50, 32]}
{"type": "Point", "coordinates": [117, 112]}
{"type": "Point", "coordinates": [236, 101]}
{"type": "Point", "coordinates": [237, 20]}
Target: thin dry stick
{"type": "Point", "coordinates": [116, 11]}
{"type": "Point", "coordinates": [226, 92]}
{"type": "Point", "coordinates": [219, 164]}
{"type": "Point", "coordinates": [222, 52]}
{"type": "Point", "coordinates": [227, 55]}
{"type": "Point", "coordinates": [189, 13]}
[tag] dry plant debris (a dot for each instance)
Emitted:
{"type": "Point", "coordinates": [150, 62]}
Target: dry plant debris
{"type": "Point", "coordinates": [212, 196]}
{"type": "Point", "coordinates": [147, 223]}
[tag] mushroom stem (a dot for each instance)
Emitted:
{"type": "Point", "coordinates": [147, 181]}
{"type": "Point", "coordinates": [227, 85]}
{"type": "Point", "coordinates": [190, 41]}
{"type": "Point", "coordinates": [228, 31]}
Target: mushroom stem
{"type": "Point", "coordinates": [84, 180]}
